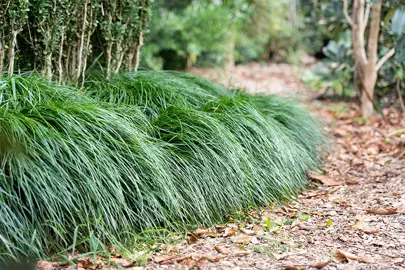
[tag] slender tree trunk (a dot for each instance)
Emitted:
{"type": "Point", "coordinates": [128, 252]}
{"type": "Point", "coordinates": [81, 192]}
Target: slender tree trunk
{"type": "Point", "coordinates": [48, 66]}
{"type": "Point", "coordinates": [108, 55]}
{"type": "Point", "coordinates": [131, 55]}
{"type": "Point", "coordinates": [60, 65]}
{"type": "Point", "coordinates": [85, 59]}
{"type": "Point", "coordinates": [11, 54]}
{"type": "Point", "coordinates": [81, 44]}
{"type": "Point", "coordinates": [370, 71]}
{"type": "Point", "coordinates": [73, 62]}
{"type": "Point", "coordinates": [68, 60]}
{"type": "Point", "coordinates": [138, 52]}
{"type": "Point", "coordinates": [367, 62]}
{"type": "Point", "coordinates": [1, 54]}
{"type": "Point", "coordinates": [118, 67]}
{"type": "Point", "coordinates": [119, 57]}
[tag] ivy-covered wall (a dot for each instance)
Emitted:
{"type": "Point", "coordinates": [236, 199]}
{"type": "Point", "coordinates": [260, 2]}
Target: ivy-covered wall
{"type": "Point", "coordinates": [61, 38]}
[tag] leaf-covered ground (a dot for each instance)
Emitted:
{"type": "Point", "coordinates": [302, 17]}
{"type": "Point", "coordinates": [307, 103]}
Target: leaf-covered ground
{"type": "Point", "coordinates": [352, 218]}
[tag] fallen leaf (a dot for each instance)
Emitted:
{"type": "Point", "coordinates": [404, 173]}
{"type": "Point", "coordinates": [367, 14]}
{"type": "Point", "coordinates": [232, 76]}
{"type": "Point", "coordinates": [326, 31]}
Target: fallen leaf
{"type": "Point", "coordinates": [329, 223]}
{"type": "Point", "coordinates": [217, 258]}
{"type": "Point", "coordinates": [121, 261]}
{"type": "Point", "coordinates": [291, 267]}
{"type": "Point", "coordinates": [279, 257]}
{"type": "Point", "coordinates": [188, 262]}
{"type": "Point", "coordinates": [365, 259]}
{"type": "Point", "coordinates": [163, 258]}
{"type": "Point", "coordinates": [352, 182]}
{"type": "Point", "coordinates": [373, 150]}
{"type": "Point", "coordinates": [221, 250]}
{"type": "Point", "coordinates": [396, 260]}
{"type": "Point", "coordinates": [371, 231]}
{"type": "Point", "coordinates": [44, 265]}
{"type": "Point", "coordinates": [182, 258]}
{"type": "Point", "coordinates": [342, 256]}
{"type": "Point", "coordinates": [202, 264]}
{"type": "Point", "coordinates": [326, 180]}
{"type": "Point", "coordinates": [254, 240]}
{"type": "Point", "coordinates": [242, 239]}
{"type": "Point", "coordinates": [340, 131]}
{"type": "Point", "coordinates": [382, 211]}
{"type": "Point", "coordinates": [320, 265]}
{"type": "Point", "coordinates": [192, 239]}
{"type": "Point", "coordinates": [248, 232]}
{"type": "Point", "coordinates": [360, 225]}
{"type": "Point", "coordinates": [242, 253]}
{"type": "Point", "coordinates": [89, 263]}
{"type": "Point", "coordinates": [306, 227]}
{"type": "Point", "coordinates": [200, 231]}
{"type": "Point", "coordinates": [80, 264]}
{"type": "Point", "coordinates": [258, 230]}
{"type": "Point", "coordinates": [229, 231]}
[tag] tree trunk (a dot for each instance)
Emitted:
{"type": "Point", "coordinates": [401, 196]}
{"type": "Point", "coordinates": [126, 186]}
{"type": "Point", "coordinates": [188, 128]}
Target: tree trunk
{"type": "Point", "coordinates": [60, 65]}
{"type": "Point", "coordinates": [81, 45]}
{"type": "Point", "coordinates": [48, 67]}
{"type": "Point", "coordinates": [138, 52]}
{"type": "Point", "coordinates": [1, 55]}
{"type": "Point", "coordinates": [11, 55]}
{"type": "Point", "coordinates": [108, 55]}
{"type": "Point", "coordinates": [370, 70]}
{"type": "Point", "coordinates": [370, 79]}
{"type": "Point", "coordinates": [367, 63]}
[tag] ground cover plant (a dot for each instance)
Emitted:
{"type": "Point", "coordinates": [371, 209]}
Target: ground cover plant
{"type": "Point", "coordinates": [146, 150]}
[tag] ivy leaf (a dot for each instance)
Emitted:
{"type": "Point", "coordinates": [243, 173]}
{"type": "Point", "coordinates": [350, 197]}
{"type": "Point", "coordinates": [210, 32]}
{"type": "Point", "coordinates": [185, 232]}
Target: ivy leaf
{"type": "Point", "coordinates": [398, 21]}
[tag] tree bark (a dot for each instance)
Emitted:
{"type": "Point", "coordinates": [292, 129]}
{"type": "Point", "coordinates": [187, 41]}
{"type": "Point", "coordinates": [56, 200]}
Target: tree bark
{"type": "Point", "coordinates": [370, 71]}
{"type": "Point", "coordinates": [138, 52]}
{"type": "Point", "coordinates": [108, 55]}
{"type": "Point", "coordinates": [1, 55]}
{"type": "Point", "coordinates": [81, 44]}
{"type": "Point", "coordinates": [367, 63]}
{"type": "Point", "coordinates": [11, 55]}
{"type": "Point", "coordinates": [48, 66]}
{"type": "Point", "coordinates": [60, 65]}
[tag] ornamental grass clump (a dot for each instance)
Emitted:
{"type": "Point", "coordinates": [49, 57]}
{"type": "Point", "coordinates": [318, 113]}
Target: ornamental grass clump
{"type": "Point", "coordinates": [72, 166]}
{"type": "Point", "coordinates": [146, 150]}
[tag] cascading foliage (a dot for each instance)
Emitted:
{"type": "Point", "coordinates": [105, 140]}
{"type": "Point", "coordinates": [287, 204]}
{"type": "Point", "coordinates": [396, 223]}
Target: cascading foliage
{"type": "Point", "coordinates": [145, 150]}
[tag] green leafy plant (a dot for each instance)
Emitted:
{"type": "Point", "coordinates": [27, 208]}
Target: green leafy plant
{"type": "Point", "coordinates": [147, 150]}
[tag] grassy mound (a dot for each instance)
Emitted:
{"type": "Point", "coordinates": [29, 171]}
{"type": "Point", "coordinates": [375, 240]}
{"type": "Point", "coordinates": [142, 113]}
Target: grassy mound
{"type": "Point", "coordinates": [146, 150]}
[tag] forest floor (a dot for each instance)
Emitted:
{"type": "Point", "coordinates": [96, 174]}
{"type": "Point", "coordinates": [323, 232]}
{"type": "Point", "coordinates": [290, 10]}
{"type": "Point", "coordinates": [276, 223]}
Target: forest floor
{"type": "Point", "coordinates": [353, 217]}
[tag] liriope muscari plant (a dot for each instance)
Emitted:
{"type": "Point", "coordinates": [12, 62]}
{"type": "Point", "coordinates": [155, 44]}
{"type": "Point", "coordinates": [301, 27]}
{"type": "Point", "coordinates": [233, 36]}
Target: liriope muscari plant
{"type": "Point", "coordinates": [142, 151]}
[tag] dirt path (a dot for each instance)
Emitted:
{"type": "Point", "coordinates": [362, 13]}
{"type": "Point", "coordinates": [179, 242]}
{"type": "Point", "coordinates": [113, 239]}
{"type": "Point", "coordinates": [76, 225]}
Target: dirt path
{"type": "Point", "coordinates": [352, 219]}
